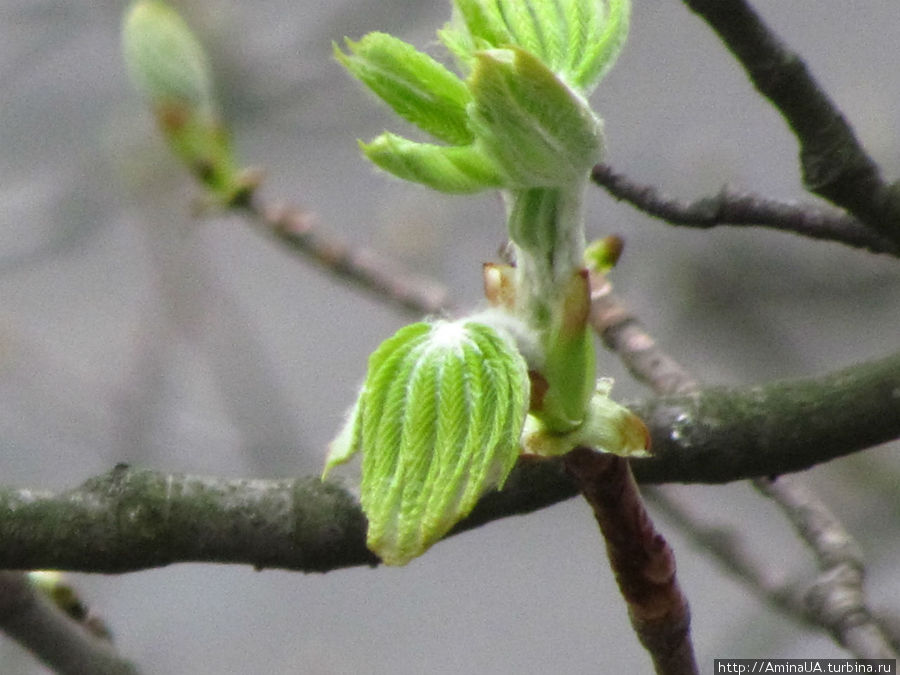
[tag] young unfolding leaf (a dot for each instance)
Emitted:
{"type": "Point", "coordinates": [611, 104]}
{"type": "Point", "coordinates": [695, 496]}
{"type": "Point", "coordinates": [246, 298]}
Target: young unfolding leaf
{"type": "Point", "coordinates": [164, 58]}
{"type": "Point", "coordinates": [521, 119]}
{"type": "Point", "coordinates": [539, 131]}
{"type": "Point", "coordinates": [597, 48]}
{"type": "Point", "coordinates": [439, 420]}
{"type": "Point", "coordinates": [453, 169]}
{"type": "Point", "coordinates": [578, 40]}
{"type": "Point", "coordinates": [438, 423]}
{"type": "Point", "coordinates": [417, 87]}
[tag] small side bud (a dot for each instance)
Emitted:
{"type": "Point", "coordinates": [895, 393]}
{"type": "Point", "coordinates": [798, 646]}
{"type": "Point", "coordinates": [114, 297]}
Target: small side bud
{"type": "Point", "coordinates": [500, 285]}
{"type": "Point", "coordinates": [602, 255]}
{"type": "Point", "coordinates": [608, 427]}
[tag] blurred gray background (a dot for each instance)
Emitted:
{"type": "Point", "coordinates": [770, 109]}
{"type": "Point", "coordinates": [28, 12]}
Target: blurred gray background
{"type": "Point", "coordinates": [132, 331]}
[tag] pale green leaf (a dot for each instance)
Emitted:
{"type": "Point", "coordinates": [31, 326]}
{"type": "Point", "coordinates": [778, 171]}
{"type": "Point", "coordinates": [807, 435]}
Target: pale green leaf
{"type": "Point", "coordinates": [538, 130]}
{"type": "Point", "coordinates": [417, 87]}
{"type": "Point", "coordinates": [582, 20]}
{"type": "Point", "coordinates": [442, 410]}
{"type": "Point", "coordinates": [346, 444]}
{"type": "Point", "coordinates": [602, 44]}
{"type": "Point", "coordinates": [453, 169]}
{"type": "Point", "coordinates": [459, 43]}
{"type": "Point", "coordinates": [484, 22]}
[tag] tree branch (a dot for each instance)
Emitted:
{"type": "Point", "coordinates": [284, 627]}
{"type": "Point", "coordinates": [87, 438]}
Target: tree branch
{"type": "Point", "coordinates": [59, 642]}
{"type": "Point", "coordinates": [722, 434]}
{"type": "Point", "coordinates": [836, 598]}
{"type": "Point", "coordinates": [834, 164]}
{"type": "Point", "coordinates": [133, 519]}
{"type": "Point", "coordinates": [294, 229]}
{"type": "Point", "coordinates": [744, 210]}
{"type": "Point", "coordinates": [640, 557]}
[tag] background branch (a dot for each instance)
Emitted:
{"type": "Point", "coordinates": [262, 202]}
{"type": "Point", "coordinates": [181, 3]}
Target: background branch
{"type": "Point", "coordinates": [834, 164]}
{"type": "Point", "coordinates": [744, 210]}
{"type": "Point", "coordinates": [836, 598]}
{"type": "Point", "coordinates": [61, 643]}
{"type": "Point", "coordinates": [726, 546]}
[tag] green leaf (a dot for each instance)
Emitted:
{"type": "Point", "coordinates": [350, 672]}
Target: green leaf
{"type": "Point", "coordinates": [438, 422]}
{"type": "Point", "coordinates": [346, 444]}
{"type": "Point", "coordinates": [603, 41]}
{"type": "Point", "coordinates": [570, 364]}
{"type": "Point", "coordinates": [538, 131]}
{"type": "Point", "coordinates": [417, 87]}
{"type": "Point", "coordinates": [484, 22]}
{"type": "Point", "coordinates": [578, 40]}
{"type": "Point", "coordinates": [453, 169]}
{"type": "Point", "coordinates": [460, 44]}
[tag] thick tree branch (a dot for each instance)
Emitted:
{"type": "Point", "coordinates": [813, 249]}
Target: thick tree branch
{"type": "Point", "coordinates": [58, 641]}
{"type": "Point", "coordinates": [722, 434]}
{"type": "Point", "coordinates": [132, 519]}
{"type": "Point", "coordinates": [136, 519]}
{"type": "Point", "coordinates": [834, 164]}
{"type": "Point", "coordinates": [779, 427]}
{"type": "Point", "coordinates": [744, 210]}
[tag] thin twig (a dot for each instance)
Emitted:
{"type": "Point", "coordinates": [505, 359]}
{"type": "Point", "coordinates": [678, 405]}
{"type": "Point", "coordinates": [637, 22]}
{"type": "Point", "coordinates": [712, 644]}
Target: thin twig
{"type": "Point", "coordinates": [623, 334]}
{"type": "Point", "coordinates": [294, 229]}
{"type": "Point", "coordinates": [836, 600]}
{"type": "Point", "coordinates": [834, 164]}
{"type": "Point", "coordinates": [641, 559]}
{"type": "Point", "coordinates": [744, 210]}
{"type": "Point", "coordinates": [59, 642]}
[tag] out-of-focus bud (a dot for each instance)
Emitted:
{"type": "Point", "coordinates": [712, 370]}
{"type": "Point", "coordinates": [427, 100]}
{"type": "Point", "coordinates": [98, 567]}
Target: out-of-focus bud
{"type": "Point", "coordinates": [171, 70]}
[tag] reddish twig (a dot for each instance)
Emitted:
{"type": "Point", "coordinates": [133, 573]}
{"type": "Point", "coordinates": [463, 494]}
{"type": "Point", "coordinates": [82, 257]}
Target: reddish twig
{"type": "Point", "coordinates": [642, 561]}
{"type": "Point", "coordinates": [640, 557]}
